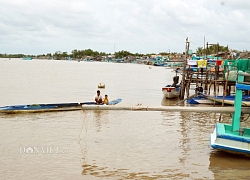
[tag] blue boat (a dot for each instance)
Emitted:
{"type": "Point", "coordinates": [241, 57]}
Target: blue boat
{"type": "Point", "coordinates": [159, 61]}
{"type": "Point", "coordinates": [27, 58]}
{"type": "Point", "coordinates": [158, 64]}
{"type": "Point", "coordinates": [228, 100]}
{"type": "Point", "coordinates": [232, 137]}
{"type": "Point", "coordinates": [200, 99]}
{"type": "Point", "coordinates": [33, 108]}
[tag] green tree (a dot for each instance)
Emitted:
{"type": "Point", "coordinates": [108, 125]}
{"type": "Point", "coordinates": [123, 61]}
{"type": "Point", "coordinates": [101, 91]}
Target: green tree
{"type": "Point", "coordinates": [74, 53]}
{"type": "Point", "coordinates": [64, 55]}
{"type": "Point", "coordinates": [88, 52]}
{"type": "Point", "coordinates": [211, 49]}
{"type": "Point", "coordinates": [121, 54]}
{"type": "Point", "coordinates": [200, 51]}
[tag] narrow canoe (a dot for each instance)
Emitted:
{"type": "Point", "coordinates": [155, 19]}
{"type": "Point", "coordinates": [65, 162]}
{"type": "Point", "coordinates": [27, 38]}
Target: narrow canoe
{"type": "Point", "coordinates": [228, 100]}
{"type": "Point", "coordinates": [33, 108]}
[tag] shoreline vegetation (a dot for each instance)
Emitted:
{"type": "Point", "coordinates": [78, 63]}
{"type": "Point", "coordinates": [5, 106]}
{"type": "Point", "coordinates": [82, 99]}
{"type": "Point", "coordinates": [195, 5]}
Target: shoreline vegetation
{"type": "Point", "coordinates": [90, 55]}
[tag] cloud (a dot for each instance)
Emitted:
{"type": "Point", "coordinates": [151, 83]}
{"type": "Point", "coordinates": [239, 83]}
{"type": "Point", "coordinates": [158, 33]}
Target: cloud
{"type": "Point", "coordinates": [37, 27]}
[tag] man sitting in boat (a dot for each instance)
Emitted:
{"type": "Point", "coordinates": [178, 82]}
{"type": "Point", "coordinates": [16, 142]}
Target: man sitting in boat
{"type": "Point", "coordinates": [106, 100]}
{"type": "Point", "coordinates": [199, 89]}
{"type": "Point", "coordinates": [175, 81]}
{"type": "Point", "coordinates": [98, 97]}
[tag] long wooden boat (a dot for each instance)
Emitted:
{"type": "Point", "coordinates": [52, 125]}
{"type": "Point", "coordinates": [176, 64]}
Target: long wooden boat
{"type": "Point", "coordinates": [199, 100]}
{"type": "Point", "coordinates": [232, 137]}
{"type": "Point", "coordinates": [33, 108]}
{"type": "Point", "coordinates": [228, 100]}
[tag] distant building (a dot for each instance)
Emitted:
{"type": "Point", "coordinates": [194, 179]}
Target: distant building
{"type": "Point", "coordinates": [244, 55]}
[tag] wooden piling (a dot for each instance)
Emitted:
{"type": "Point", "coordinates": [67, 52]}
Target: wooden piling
{"type": "Point", "coordinates": [183, 82]}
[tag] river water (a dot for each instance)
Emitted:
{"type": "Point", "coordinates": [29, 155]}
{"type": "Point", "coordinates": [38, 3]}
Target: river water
{"type": "Point", "coordinates": [104, 144]}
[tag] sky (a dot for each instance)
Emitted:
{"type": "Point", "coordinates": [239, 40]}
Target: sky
{"type": "Point", "coordinates": [138, 26]}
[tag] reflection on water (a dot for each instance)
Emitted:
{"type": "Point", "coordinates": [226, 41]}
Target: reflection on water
{"type": "Point", "coordinates": [176, 141]}
{"type": "Point", "coordinates": [105, 172]}
{"type": "Point", "coordinates": [100, 118]}
{"type": "Point", "coordinates": [229, 166]}
{"type": "Point", "coordinates": [169, 102]}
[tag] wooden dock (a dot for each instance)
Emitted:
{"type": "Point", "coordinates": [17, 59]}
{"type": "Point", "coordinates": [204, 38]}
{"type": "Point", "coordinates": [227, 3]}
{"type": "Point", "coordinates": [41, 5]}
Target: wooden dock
{"type": "Point", "coordinates": [210, 76]}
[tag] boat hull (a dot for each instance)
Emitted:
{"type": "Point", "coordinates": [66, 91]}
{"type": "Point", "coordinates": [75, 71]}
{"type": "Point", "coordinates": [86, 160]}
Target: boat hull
{"type": "Point", "coordinates": [27, 58]}
{"type": "Point", "coordinates": [199, 100]}
{"type": "Point", "coordinates": [37, 108]}
{"type": "Point", "coordinates": [171, 92]}
{"type": "Point", "coordinates": [223, 139]}
{"type": "Point", "coordinates": [228, 100]}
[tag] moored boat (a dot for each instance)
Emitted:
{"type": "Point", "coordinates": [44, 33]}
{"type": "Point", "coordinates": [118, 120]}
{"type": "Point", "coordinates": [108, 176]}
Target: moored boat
{"type": "Point", "coordinates": [232, 137]}
{"type": "Point", "coordinates": [170, 92]}
{"type": "Point", "coordinates": [228, 100]}
{"type": "Point", "coordinates": [199, 100]}
{"type": "Point", "coordinates": [27, 58]}
{"type": "Point", "coordinates": [33, 108]}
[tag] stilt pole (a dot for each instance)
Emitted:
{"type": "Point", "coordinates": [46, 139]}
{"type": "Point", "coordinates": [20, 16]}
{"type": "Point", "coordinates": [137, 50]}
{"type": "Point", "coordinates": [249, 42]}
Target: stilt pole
{"type": "Point", "coordinates": [184, 71]}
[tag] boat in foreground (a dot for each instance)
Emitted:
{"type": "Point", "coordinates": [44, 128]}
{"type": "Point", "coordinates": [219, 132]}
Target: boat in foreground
{"type": "Point", "coordinates": [232, 137]}
{"type": "Point", "coordinates": [33, 108]}
{"type": "Point", "coordinates": [224, 139]}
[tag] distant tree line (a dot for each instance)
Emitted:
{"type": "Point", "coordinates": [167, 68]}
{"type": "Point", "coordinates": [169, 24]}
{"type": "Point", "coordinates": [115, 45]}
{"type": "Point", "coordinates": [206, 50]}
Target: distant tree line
{"type": "Point", "coordinates": [14, 55]}
{"type": "Point", "coordinates": [78, 54]}
{"type": "Point", "coordinates": [211, 49]}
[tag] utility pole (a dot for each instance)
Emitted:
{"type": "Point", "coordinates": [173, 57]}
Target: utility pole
{"type": "Point", "coordinates": [204, 47]}
{"type": "Point", "coordinates": [184, 71]}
